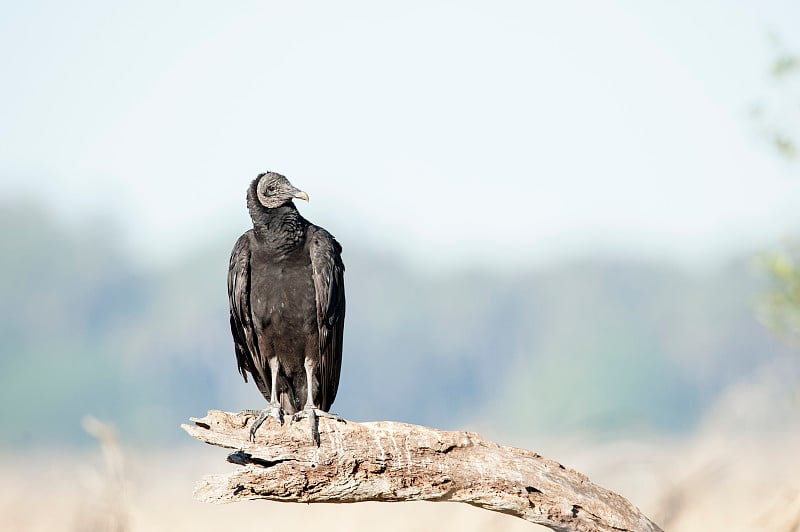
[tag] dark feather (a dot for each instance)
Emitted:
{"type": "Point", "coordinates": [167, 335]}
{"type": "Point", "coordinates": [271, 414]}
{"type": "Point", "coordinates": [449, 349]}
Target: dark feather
{"type": "Point", "coordinates": [328, 268]}
{"type": "Point", "coordinates": [241, 321]}
{"type": "Point", "coordinates": [238, 297]}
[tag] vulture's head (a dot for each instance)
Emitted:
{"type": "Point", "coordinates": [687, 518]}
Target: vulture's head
{"type": "Point", "coordinates": [273, 190]}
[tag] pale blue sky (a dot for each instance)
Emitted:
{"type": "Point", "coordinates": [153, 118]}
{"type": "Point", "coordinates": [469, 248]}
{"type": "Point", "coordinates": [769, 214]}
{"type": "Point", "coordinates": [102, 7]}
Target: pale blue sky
{"type": "Point", "coordinates": [498, 133]}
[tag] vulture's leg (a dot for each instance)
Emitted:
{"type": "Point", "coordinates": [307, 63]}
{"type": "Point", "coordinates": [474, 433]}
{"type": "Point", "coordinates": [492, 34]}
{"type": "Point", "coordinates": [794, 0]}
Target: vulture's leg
{"type": "Point", "coordinates": [274, 409]}
{"type": "Point", "coordinates": [311, 410]}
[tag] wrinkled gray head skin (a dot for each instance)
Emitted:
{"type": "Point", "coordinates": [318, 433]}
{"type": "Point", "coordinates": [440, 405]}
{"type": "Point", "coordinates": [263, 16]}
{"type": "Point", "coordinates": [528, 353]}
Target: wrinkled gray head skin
{"type": "Point", "coordinates": [274, 190]}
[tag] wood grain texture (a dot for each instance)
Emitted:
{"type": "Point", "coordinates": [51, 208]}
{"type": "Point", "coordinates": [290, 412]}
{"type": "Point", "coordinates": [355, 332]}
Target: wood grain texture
{"type": "Point", "coordinates": [392, 462]}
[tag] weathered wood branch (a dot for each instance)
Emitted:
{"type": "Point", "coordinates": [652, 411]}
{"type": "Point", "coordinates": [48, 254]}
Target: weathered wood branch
{"type": "Point", "coordinates": [388, 461]}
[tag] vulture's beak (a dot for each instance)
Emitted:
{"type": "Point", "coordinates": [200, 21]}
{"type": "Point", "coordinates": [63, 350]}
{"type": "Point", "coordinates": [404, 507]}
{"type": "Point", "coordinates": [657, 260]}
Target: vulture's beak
{"type": "Point", "coordinates": [299, 194]}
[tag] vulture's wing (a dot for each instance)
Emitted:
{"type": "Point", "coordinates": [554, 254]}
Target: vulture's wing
{"type": "Point", "coordinates": [328, 268]}
{"type": "Point", "coordinates": [244, 337]}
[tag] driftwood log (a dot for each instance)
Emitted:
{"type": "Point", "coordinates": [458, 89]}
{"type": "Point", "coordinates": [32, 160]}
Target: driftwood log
{"type": "Point", "coordinates": [388, 461]}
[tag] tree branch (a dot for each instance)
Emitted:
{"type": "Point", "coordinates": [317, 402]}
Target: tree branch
{"type": "Point", "coordinates": [388, 461]}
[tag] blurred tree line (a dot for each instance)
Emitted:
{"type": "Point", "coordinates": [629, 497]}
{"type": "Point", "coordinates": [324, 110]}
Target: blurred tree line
{"type": "Point", "coordinates": [87, 330]}
{"type": "Point", "coordinates": [598, 346]}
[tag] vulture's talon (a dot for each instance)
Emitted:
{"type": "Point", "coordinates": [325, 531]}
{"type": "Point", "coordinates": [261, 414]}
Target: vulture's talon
{"type": "Point", "coordinates": [274, 411]}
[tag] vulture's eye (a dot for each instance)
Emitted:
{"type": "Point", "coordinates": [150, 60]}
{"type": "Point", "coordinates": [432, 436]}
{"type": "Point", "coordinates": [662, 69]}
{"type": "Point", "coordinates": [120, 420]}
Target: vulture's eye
{"type": "Point", "coordinates": [271, 188]}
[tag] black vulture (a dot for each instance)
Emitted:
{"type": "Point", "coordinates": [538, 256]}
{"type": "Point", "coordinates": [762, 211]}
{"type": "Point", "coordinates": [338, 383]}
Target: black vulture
{"type": "Point", "coordinates": [286, 293]}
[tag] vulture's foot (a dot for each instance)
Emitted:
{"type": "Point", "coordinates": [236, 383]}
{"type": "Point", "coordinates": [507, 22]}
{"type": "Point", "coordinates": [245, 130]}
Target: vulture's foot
{"type": "Point", "coordinates": [308, 412]}
{"type": "Point", "coordinates": [273, 410]}
{"type": "Point", "coordinates": [313, 415]}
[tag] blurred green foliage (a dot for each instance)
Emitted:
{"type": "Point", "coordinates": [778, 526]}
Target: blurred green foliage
{"type": "Point", "coordinates": [780, 307]}
{"type": "Point", "coordinates": [778, 113]}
